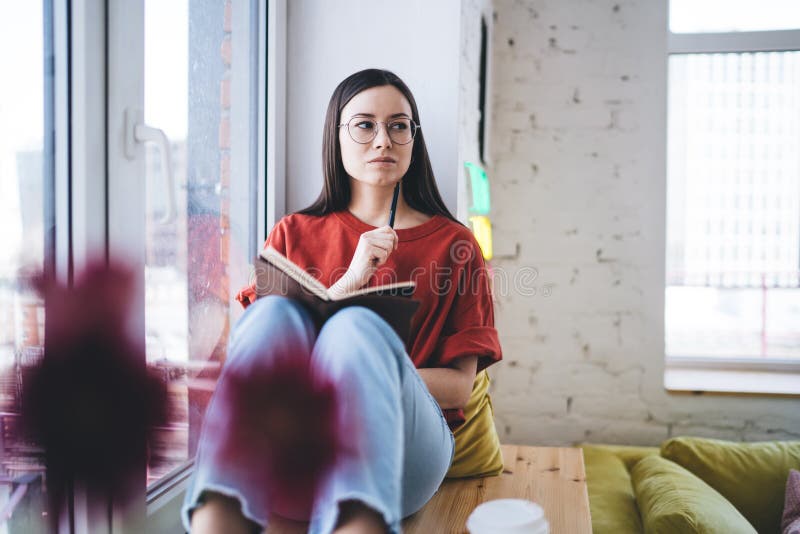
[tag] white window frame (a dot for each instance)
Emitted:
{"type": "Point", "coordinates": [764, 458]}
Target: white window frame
{"type": "Point", "coordinates": [727, 42]}
{"type": "Point", "coordinates": [770, 376]}
{"type": "Point", "coordinates": [274, 101]}
{"type": "Point", "coordinates": [81, 174]}
{"type": "Point", "coordinates": [84, 159]}
{"type": "Point", "coordinates": [86, 179]}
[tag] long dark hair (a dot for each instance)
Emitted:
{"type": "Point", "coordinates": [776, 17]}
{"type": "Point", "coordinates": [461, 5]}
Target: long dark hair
{"type": "Point", "coordinates": [419, 186]}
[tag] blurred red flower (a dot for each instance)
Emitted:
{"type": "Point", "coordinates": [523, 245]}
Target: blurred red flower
{"type": "Point", "coordinates": [91, 402]}
{"type": "Point", "coordinates": [283, 430]}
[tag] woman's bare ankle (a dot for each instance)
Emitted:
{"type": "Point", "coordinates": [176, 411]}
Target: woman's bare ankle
{"type": "Point", "coordinates": [220, 513]}
{"type": "Point", "coordinates": [357, 518]}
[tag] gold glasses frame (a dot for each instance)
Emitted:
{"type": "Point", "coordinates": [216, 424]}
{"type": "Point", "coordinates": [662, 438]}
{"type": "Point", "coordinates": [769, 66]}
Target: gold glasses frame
{"type": "Point", "coordinates": [414, 128]}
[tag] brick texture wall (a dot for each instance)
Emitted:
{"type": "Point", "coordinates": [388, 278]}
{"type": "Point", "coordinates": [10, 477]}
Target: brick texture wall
{"type": "Point", "coordinates": [578, 157]}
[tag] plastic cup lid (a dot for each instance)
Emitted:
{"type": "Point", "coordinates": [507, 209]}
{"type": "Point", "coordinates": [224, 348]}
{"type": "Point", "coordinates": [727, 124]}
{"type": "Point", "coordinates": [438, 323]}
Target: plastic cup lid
{"type": "Point", "coordinates": [507, 516]}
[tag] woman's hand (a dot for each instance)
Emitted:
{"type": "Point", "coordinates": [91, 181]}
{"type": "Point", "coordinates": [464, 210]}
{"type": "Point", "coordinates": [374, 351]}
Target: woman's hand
{"type": "Point", "coordinates": [372, 251]}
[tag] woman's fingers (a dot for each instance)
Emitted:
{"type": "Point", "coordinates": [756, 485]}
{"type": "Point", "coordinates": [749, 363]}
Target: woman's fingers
{"type": "Point", "coordinates": [384, 243]}
{"type": "Point", "coordinates": [374, 249]}
{"type": "Point", "coordinates": [382, 254]}
{"type": "Point", "coordinates": [384, 231]}
{"type": "Point", "coordinates": [385, 235]}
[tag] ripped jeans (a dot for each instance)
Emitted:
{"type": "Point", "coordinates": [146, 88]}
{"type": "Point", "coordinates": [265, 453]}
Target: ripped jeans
{"type": "Point", "coordinates": [405, 447]}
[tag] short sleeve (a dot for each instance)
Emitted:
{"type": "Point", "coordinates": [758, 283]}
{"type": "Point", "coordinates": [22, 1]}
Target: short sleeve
{"type": "Point", "coordinates": [469, 329]}
{"type": "Point", "coordinates": [277, 240]}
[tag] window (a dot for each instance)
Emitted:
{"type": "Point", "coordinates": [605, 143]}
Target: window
{"type": "Point", "coordinates": [202, 74]}
{"type": "Point", "coordinates": [733, 206]}
{"type": "Point", "coordinates": [199, 76]}
{"type": "Point", "coordinates": [26, 221]}
{"type": "Point", "coordinates": [188, 214]}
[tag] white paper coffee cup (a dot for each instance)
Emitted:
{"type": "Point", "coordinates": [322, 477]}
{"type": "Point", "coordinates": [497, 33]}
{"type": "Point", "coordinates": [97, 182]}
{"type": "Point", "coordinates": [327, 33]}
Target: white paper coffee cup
{"type": "Point", "coordinates": [508, 516]}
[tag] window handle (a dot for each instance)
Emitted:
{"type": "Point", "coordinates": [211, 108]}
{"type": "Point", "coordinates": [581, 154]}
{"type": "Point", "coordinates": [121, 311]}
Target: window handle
{"type": "Point", "coordinates": [138, 132]}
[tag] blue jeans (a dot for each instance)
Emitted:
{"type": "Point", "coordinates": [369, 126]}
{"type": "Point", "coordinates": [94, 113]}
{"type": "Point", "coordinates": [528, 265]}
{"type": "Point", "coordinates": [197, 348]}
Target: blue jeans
{"type": "Point", "coordinates": [405, 447]}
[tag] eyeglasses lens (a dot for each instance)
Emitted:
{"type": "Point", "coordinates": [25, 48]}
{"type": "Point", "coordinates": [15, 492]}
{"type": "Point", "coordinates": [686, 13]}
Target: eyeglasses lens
{"type": "Point", "coordinates": [363, 130]}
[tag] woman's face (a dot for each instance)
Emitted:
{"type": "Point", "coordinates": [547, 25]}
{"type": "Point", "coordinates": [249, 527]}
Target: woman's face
{"type": "Point", "coordinates": [380, 161]}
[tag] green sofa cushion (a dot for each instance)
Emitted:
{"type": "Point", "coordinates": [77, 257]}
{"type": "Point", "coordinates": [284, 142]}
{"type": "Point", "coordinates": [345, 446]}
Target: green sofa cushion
{"type": "Point", "coordinates": [611, 500]}
{"type": "Point", "coordinates": [629, 454]}
{"type": "Point", "coordinates": [674, 501]}
{"type": "Point", "coordinates": [752, 476]}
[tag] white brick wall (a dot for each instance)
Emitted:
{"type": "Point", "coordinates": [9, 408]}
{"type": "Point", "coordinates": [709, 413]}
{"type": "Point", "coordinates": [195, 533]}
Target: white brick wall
{"type": "Point", "coordinates": [578, 188]}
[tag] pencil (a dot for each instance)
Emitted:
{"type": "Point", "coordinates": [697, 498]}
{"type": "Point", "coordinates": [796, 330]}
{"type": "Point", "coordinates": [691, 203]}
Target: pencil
{"type": "Point", "coordinates": [393, 209]}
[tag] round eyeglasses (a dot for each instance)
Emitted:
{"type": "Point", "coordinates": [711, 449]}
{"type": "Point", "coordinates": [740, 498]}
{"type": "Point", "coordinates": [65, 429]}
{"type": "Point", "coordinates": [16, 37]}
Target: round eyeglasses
{"type": "Point", "coordinates": [364, 129]}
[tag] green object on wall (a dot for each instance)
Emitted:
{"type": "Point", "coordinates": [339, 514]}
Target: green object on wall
{"type": "Point", "coordinates": [479, 185]}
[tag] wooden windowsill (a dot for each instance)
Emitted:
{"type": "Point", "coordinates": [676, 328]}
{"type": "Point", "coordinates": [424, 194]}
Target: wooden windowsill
{"type": "Point", "coordinates": [731, 381]}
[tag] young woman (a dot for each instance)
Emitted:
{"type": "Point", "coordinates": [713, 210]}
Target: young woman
{"type": "Point", "coordinates": [406, 401]}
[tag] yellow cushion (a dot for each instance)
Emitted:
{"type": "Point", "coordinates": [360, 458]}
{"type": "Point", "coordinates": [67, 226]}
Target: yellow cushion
{"type": "Point", "coordinates": [477, 444]}
{"type": "Point", "coordinates": [752, 476]}
{"type": "Point", "coordinates": [628, 454]}
{"type": "Point", "coordinates": [674, 501]}
{"type": "Point", "coordinates": [611, 499]}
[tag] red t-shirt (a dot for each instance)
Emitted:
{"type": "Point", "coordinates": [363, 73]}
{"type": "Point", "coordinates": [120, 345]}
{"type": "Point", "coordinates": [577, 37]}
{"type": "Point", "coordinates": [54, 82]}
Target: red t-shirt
{"type": "Point", "coordinates": [456, 314]}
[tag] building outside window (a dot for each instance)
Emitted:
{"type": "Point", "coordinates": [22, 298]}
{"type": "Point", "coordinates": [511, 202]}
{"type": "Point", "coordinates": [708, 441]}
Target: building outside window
{"type": "Point", "coordinates": [26, 211]}
{"type": "Point", "coordinates": [733, 206]}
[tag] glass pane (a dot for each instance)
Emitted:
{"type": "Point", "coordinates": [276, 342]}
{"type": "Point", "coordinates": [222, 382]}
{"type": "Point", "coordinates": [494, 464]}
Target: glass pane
{"type": "Point", "coordinates": [25, 196]}
{"type": "Point", "coordinates": [701, 16]}
{"type": "Point", "coordinates": [198, 76]}
{"type": "Point", "coordinates": [733, 217]}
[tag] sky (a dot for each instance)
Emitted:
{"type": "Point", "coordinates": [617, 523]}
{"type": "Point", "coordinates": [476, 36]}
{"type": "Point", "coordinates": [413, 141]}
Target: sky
{"type": "Point", "coordinates": [22, 94]}
{"type": "Point", "coordinates": [21, 113]}
{"type": "Point", "coordinates": [733, 15]}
